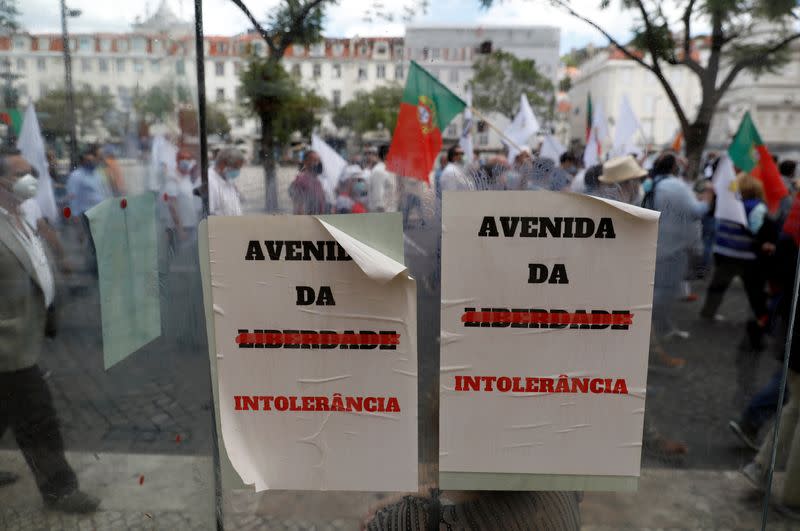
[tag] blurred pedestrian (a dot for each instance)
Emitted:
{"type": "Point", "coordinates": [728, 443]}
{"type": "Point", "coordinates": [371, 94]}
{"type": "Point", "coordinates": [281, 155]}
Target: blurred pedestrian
{"type": "Point", "coordinates": [179, 199]}
{"type": "Point", "coordinates": [351, 191]}
{"type": "Point", "coordinates": [308, 196]}
{"type": "Point", "coordinates": [622, 177]}
{"type": "Point", "coordinates": [86, 187]}
{"type": "Point", "coordinates": [382, 183]}
{"type": "Point", "coordinates": [26, 317]}
{"type": "Point", "coordinates": [678, 228]}
{"type": "Point", "coordinates": [109, 165]}
{"type": "Point", "coordinates": [453, 175]}
{"type": "Point", "coordinates": [224, 198]}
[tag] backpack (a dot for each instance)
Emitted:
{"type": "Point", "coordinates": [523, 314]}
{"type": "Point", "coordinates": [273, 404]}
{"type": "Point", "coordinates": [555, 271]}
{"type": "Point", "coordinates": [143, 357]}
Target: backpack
{"type": "Point", "coordinates": [649, 199]}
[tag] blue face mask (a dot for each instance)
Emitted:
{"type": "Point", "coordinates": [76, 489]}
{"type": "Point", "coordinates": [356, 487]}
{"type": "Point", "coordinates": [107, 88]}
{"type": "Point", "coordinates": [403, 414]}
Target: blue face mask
{"type": "Point", "coordinates": [185, 166]}
{"type": "Point", "coordinates": [232, 174]}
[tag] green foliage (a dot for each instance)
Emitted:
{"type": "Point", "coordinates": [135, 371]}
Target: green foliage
{"type": "Point", "coordinates": [216, 120]}
{"type": "Point", "coordinates": [269, 90]}
{"type": "Point", "coordinates": [8, 15]}
{"type": "Point", "coordinates": [156, 103]}
{"type": "Point", "coordinates": [287, 22]}
{"type": "Point", "coordinates": [89, 107]}
{"type": "Point", "coordinates": [565, 84]}
{"type": "Point", "coordinates": [500, 77]}
{"type": "Point", "coordinates": [368, 110]}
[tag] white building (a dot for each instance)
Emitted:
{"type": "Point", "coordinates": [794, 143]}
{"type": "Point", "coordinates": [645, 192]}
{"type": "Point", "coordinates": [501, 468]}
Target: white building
{"type": "Point", "coordinates": [449, 52]}
{"type": "Point", "coordinates": [609, 75]}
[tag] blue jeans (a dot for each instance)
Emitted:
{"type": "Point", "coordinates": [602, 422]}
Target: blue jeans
{"type": "Point", "coordinates": [764, 404]}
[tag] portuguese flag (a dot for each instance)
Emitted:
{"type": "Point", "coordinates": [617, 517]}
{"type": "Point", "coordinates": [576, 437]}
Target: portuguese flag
{"type": "Point", "coordinates": [426, 109]}
{"type": "Point", "coordinates": [749, 154]}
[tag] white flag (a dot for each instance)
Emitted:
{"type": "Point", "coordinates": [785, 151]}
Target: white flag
{"type": "Point", "coordinates": [31, 146]}
{"type": "Point", "coordinates": [591, 155]}
{"type": "Point", "coordinates": [729, 203]}
{"type": "Point", "coordinates": [524, 125]}
{"type": "Point", "coordinates": [626, 127]}
{"type": "Point", "coordinates": [332, 166]}
{"type": "Point", "coordinates": [465, 141]}
{"type": "Point", "coordinates": [600, 122]}
{"type": "Point", "coordinates": [551, 148]}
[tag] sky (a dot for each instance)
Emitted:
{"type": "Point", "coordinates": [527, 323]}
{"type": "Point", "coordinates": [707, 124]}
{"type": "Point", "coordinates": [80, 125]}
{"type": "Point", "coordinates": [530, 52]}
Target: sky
{"type": "Point", "coordinates": [346, 19]}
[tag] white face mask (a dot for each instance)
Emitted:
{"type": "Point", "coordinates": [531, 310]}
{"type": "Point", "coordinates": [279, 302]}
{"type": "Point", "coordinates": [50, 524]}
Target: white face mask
{"type": "Point", "coordinates": [25, 187]}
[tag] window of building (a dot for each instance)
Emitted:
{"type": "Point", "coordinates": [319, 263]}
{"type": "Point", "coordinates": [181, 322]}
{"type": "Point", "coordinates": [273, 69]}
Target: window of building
{"type": "Point", "coordinates": [425, 53]}
{"type": "Point", "coordinates": [41, 64]}
{"type": "Point", "coordinates": [257, 48]}
{"type": "Point", "coordinates": [44, 44]}
{"type": "Point", "coordinates": [120, 65]}
{"type": "Point", "coordinates": [398, 52]}
{"type": "Point", "coordinates": [43, 90]}
{"type": "Point", "coordinates": [105, 45]}
{"type": "Point", "coordinates": [21, 66]}
{"type": "Point", "coordinates": [102, 65]}
{"type": "Point", "coordinates": [123, 45]}
{"type": "Point", "coordinates": [338, 49]}
{"type": "Point", "coordinates": [85, 44]}
{"type": "Point", "coordinates": [316, 71]}
{"type": "Point", "coordinates": [237, 68]}
{"type": "Point", "coordinates": [453, 77]}
{"type": "Point", "coordinates": [180, 67]}
{"type": "Point", "coordinates": [222, 48]}
{"type": "Point", "coordinates": [155, 65]}
{"type": "Point", "coordinates": [318, 50]}
{"type": "Point", "coordinates": [381, 48]}
{"type": "Point", "coordinates": [298, 50]}
{"type": "Point", "coordinates": [86, 65]}
{"type": "Point", "coordinates": [482, 127]}
{"type": "Point", "coordinates": [483, 139]}
{"type": "Point", "coordinates": [220, 95]}
{"type": "Point", "coordinates": [22, 90]}
{"type": "Point", "coordinates": [123, 94]}
{"type": "Point", "coordinates": [380, 72]}
{"type": "Point", "coordinates": [362, 72]}
{"type": "Point", "coordinates": [398, 72]}
{"type": "Point", "coordinates": [435, 53]}
{"type": "Point", "coordinates": [138, 66]}
{"type": "Point", "coordinates": [337, 71]}
{"type": "Point", "coordinates": [20, 43]}
{"type": "Point", "coordinates": [219, 69]}
{"type": "Point", "coordinates": [104, 90]}
{"type": "Point", "coordinates": [363, 50]}
{"type": "Point", "coordinates": [139, 45]}
{"type": "Point", "coordinates": [336, 98]}
{"type": "Point", "coordinates": [296, 70]}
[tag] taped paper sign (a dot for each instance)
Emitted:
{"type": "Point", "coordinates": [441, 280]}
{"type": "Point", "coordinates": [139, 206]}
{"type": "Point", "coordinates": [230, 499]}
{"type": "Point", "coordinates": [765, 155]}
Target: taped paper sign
{"type": "Point", "coordinates": [316, 355]}
{"type": "Point", "coordinates": [546, 307]}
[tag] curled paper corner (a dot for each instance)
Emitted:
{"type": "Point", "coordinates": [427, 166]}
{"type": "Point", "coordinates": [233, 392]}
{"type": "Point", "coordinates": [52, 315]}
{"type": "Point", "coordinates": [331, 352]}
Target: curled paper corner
{"type": "Point", "coordinates": [376, 265]}
{"type": "Point", "coordinates": [644, 214]}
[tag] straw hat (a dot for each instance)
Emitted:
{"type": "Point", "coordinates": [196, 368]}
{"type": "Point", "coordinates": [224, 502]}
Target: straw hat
{"type": "Point", "coordinates": [620, 169]}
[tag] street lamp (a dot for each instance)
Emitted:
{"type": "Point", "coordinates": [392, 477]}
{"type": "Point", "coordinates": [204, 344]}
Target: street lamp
{"type": "Point", "coordinates": [73, 137]}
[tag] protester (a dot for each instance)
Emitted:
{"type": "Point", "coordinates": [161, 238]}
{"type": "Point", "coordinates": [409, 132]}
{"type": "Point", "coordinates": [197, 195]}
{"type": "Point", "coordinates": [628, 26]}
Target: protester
{"type": "Point", "coordinates": [382, 183]}
{"type": "Point", "coordinates": [453, 176]}
{"type": "Point", "coordinates": [26, 317]}
{"type": "Point", "coordinates": [622, 178]}
{"type": "Point", "coordinates": [351, 191]}
{"type": "Point", "coordinates": [308, 196]}
{"type": "Point", "coordinates": [224, 198]}
{"type": "Point", "coordinates": [520, 173]}
{"type": "Point", "coordinates": [86, 185]}
{"type": "Point", "coordinates": [678, 229]}
{"type": "Point", "coordinates": [110, 167]}
{"type": "Point", "coordinates": [179, 198]}
{"type": "Point", "coordinates": [736, 252]}
{"type": "Point", "coordinates": [569, 163]}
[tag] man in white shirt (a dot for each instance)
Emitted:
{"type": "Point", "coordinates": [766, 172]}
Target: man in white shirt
{"type": "Point", "coordinates": [224, 198]}
{"type": "Point", "coordinates": [382, 183]}
{"type": "Point", "coordinates": [453, 176]}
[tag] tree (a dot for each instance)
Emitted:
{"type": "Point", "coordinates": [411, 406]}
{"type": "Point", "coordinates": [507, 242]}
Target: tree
{"type": "Point", "coordinates": [8, 15]}
{"type": "Point", "coordinates": [269, 90]}
{"type": "Point", "coordinates": [90, 106]}
{"type": "Point", "coordinates": [293, 22]}
{"type": "Point", "coordinates": [737, 42]}
{"type": "Point", "coordinates": [216, 121]}
{"type": "Point", "coordinates": [500, 77]}
{"type": "Point", "coordinates": [369, 111]}
{"type": "Point", "coordinates": [565, 84]}
{"type": "Point", "coordinates": [157, 102]}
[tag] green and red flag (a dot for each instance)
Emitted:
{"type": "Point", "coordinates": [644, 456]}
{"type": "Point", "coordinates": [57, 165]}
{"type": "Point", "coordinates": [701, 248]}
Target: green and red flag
{"type": "Point", "coordinates": [589, 117]}
{"type": "Point", "coordinates": [426, 109]}
{"type": "Point", "coordinates": [749, 154]}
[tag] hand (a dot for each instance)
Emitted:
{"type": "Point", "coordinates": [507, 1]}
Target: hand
{"type": "Point", "coordinates": [707, 195]}
{"type": "Point", "coordinates": [768, 248]}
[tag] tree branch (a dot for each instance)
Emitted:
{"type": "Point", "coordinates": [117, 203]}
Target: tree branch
{"type": "Point", "coordinates": [258, 27]}
{"type": "Point", "coordinates": [751, 61]}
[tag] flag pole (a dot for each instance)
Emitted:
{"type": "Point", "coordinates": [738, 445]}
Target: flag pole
{"type": "Point", "coordinates": [490, 124]}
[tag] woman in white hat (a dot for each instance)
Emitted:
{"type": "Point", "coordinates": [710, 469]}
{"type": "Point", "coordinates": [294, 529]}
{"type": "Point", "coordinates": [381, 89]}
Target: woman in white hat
{"type": "Point", "coordinates": [621, 180]}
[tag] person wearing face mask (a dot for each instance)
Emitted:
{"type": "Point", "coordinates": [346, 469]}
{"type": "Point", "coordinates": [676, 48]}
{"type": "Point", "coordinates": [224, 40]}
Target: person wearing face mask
{"type": "Point", "coordinates": [179, 199]}
{"type": "Point", "coordinates": [86, 187]}
{"type": "Point", "coordinates": [306, 191]}
{"type": "Point", "coordinates": [26, 318]}
{"type": "Point", "coordinates": [224, 198]}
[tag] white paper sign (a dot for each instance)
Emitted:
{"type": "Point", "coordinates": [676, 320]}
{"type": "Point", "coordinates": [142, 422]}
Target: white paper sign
{"type": "Point", "coordinates": [546, 307]}
{"type": "Point", "coordinates": [316, 356]}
